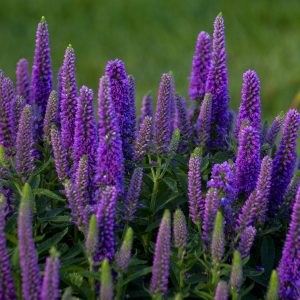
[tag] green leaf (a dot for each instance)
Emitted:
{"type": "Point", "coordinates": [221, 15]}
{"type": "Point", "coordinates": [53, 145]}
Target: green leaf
{"type": "Point", "coordinates": [40, 170]}
{"type": "Point", "coordinates": [171, 183]}
{"type": "Point", "coordinates": [48, 193]}
{"type": "Point", "coordinates": [137, 274]}
{"type": "Point", "coordinates": [52, 241]}
{"type": "Point", "coordinates": [267, 252]}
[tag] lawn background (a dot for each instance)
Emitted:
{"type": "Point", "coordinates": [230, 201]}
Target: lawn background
{"type": "Point", "coordinates": [155, 36]}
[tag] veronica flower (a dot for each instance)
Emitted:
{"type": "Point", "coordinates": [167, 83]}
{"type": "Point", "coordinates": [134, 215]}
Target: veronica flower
{"type": "Point", "coordinates": [85, 134]}
{"type": "Point", "coordinates": [217, 247]}
{"type": "Point", "coordinates": [91, 242]}
{"type": "Point", "coordinates": [273, 289]}
{"type": "Point", "coordinates": [223, 178]}
{"type": "Point", "coordinates": [106, 224]}
{"type": "Point", "coordinates": [210, 212]}
{"type": "Point", "coordinates": [146, 109]}
{"type": "Point", "coordinates": [162, 130]}
{"type": "Point", "coordinates": [6, 126]}
{"type": "Point", "coordinates": [246, 240]}
{"type": "Point", "coordinates": [181, 122]}
{"type": "Point", "coordinates": [110, 169]}
{"type": "Point", "coordinates": [248, 159]}
{"type": "Point", "coordinates": [200, 67]}
{"type": "Point", "coordinates": [25, 144]}
{"type": "Point", "coordinates": [284, 160]}
{"type": "Point", "coordinates": [203, 124]}
{"type": "Point", "coordinates": [255, 207]}
{"type": "Point", "coordinates": [236, 276]}
{"type": "Point", "coordinates": [289, 266]}
{"type": "Point", "coordinates": [51, 115]}
{"type": "Point", "coordinates": [50, 286]}
{"type": "Point", "coordinates": [23, 80]}
{"type": "Point", "coordinates": [161, 261]}
{"type": "Point", "coordinates": [81, 192]}
{"type": "Point", "coordinates": [60, 155]}
{"type": "Point", "coordinates": [7, 288]}
{"type": "Point", "coordinates": [221, 291]}
{"type": "Point", "coordinates": [250, 106]}
{"type": "Point", "coordinates": [106, 287]}
{"type": "Point", "coordinates": [41, 79]}
{"type": "Point", "coordinates": [124, 253]}
{"type": "Point", "coordinates": [180, 229]}
{"type": "Point", "coordinates": [17, 108]}
{"type": "Point", "coordinates": [217, 86]}
{"type": "Point", "coordinates": [133, 193]}
{"type": "Point", "coordinates": [31, 279]}
{"type": "Point", "coordinates": [274, 130]}
{"type": "Point", "coordinates": [143, 139]}
{"type": "Point", "coordinates": [196, 202]}
{"type": "Point", "coordinates": [68, 99]}
{"type": "Point", "coordinates": [116, 72]}
{"type": "Point", "coordinates": [132, 109]}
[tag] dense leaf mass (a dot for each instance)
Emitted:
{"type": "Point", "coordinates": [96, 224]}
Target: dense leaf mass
{"type": "Point", "coordinates": [190, 203]}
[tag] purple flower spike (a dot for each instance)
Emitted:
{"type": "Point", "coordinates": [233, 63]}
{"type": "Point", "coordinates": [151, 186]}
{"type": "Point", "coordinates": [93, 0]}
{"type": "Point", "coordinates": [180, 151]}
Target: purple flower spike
{"type": "Point", "coordinates": [181, 121]}
{"type": "Point", "coordinates": [51, 115]}
{"type": "Point", "coordinates": [85, 137]}
{"type": "Point", "coordinates": [11, 98]}
{"type": "Point", "coordinates": [81, 192]}
{"type": "Point", "coordinates": [17, 109]}
{"type": "Point", "coordinates": [161, 262]}
{"type": "Point", "coordinates": [132, 109]}
{"type": "Point", "coordinates": [6, 126]}
{"type": "Point", "coordinates": [60, 155]}
{"type": "Point", "coordinates": [285, 160]}
{"type": "Point", "coordinates": [255, 207]}
{"type": "Point", "coordinates": [116, 72]}
{"type": "Point", "coordinates": [41, 84]}
{"type": "Point", "coordinates": [250, 106]}
{"type": "Point", "coordinates": [124, 254]}
{"type": "Point", "coordinates": [50, 287]}
{"type": "Point", "coordinates": [23, 80]}
{"type": "Point", "coordinates": [143, 139]}
{"type": "Point", "coordinates": [68, 99]}
{"type": "Point", "coordinates": [162, 130]}
{"type": "Point", "coordinates": [210, 212]}
{"type": "Point", "coordinates": [248, 159]}
{"type": "Point", "coordinates": [7, 288]}
{"type": "Point", "coordinates": [31, 279]}
{"type": "Point", "coordinates": [217, 86]}
{"type": "Point", "coordinates": [221, 291]}
{"type": "Point", "coordinates": [289, 266]}
{"type": "Point", "coordinates": [200, 67]}
{"type": "Point", "coordinates": [180, 229]}
{"type": "Point", "coordinates": [25, 144]}
{"type": "Point", "coordinates": [106, 287]}
{"type": "Point", "coordinates": [223, 178]}
{"type": "Point", "coordinates": [110, 169]}
{"type": "Point", "coordinates": [246, 240]}
{"type": "Point", "coordinates": [106, 224]}
{"type": "Point", "coordinates": [133, 194]}
{"type": "Point", "coordinates": [196, 202]}
{"type": "Point", "coordinates": [217, 246]}
{"type": "Point", "coordinates": [146, 109]}
{"type": "Point", "coordinates": [203, 124]}
{"type": "Point", "coordinates": [274, 130]}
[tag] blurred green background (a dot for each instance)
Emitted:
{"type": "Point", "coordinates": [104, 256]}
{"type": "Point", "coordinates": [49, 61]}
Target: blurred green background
{"type": "Point", "coordinates": [155, 36]}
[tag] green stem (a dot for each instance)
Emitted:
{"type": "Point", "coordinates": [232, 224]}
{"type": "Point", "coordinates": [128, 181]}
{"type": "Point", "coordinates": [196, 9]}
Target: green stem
{"type": "Point", "coordinates": [180, 266]}
{"type": "Point", "coordinates": [234, 294]}
{"type": "Point", "coordinates": [91, 279]}
{"type": "Point", "coordinates": [119, 290]}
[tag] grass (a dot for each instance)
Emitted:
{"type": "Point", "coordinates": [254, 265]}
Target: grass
{"type": "Point", "coordinates": [155, 36]}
